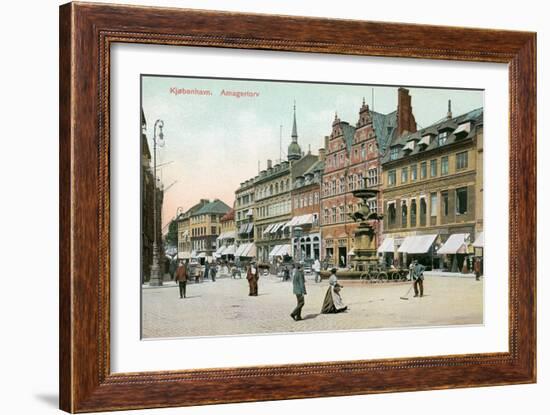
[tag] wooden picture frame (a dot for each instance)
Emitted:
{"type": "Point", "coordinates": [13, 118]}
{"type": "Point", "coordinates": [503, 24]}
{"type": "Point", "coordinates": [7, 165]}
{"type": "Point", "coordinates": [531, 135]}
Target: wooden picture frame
{"type": "Point", "coordinates": [86, 33]}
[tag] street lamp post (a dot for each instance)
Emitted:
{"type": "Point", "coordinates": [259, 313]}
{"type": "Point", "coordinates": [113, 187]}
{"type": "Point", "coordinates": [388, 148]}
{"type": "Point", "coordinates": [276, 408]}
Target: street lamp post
{"type": "Point", "coordinates": [156, 276]}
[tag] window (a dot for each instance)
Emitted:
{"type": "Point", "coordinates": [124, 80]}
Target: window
{"type": "Point", "coordinates": [413, 212]}
{"type": "Point", "coordinates": [423, 172]}
{"type": "Point", "coordinates": [433, 168]}
{"type": "Point", "coordinates": [372, 177]}
{"type": "Point", "coordinates": [391, 213]}
{"type": "Point", "coordinates": [333, 215]}
{"type": "Point", "coordinates": [394, 152]}
{"type": "Point", "coordinates": [413, 172]}
{"type": "Point", "coordinates": [350, 182]}
{"type": "Point", "coordinates": [445, 203]}
{"type": "Point", "coordinates": [363, 152]}
{"type": "Point", "coordinates": [404, 174]}
{"type": "Point", "coordinates": [213, 230]}
{"type": "Point", "coordinates": [442, 138]}
{"type": "Point", "coordinates": [325, 218]}
{"type": "Point", "coordinates": [391, 178]}
{"type": "Point", "coordinates": [462, 160]}
{"type": "Point", "coordinates": [359, 184]}
{"type": "Point", "coordinates": [404, 214]}
{"type": "Point", "coordinates": [461, 200]}
{"type": "Point", "coordinates": [433, 204]}
{"type": "Point", "coordinates": [316, 198]}
{"type": "Point", "coordinates": [444, 165]}
{"type": "Point", "coordinates": [422, 211]}
{"type": "Point", "coordinates": [373, 205]}
{"type": "Point", "coordinates": [342, 213]}
{"type": "Point", "coordinates": [342, 185]}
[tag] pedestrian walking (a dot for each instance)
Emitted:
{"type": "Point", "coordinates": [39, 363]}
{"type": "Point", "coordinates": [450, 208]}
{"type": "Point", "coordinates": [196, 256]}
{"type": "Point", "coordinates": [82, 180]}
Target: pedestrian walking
{"type": "Point", "coordinates": [333, 302]}
{"type": "Point", "coordinates": [252, 276]}
{"type": "Point", "coordinates": [317, 269]}
{"type": "Point", "coordinates": [206, 269]}
{"type": "Point", "coordinates": [213, 271]}
{"type": "Point", "coordinates": [299, 290]}
{"type": "Point", "coordinates": [181, 278]}
{"type": "Point", "coordinates": [418, 276]}
{"type": "Point", "coordinates": [477, 268]}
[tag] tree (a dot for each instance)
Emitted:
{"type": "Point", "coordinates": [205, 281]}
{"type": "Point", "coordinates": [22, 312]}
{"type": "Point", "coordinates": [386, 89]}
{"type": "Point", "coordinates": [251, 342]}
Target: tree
{"type": "Point", "coordinates": [171, 238]}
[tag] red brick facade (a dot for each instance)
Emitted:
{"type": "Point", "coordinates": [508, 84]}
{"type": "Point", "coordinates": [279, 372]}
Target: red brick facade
{"type": "Point", "coordinates": [352, 156]}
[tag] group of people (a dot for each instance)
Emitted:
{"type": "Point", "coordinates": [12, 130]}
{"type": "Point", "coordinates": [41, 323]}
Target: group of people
{"type": "Point", "coordinates": [332, 302]}
{"type": "Point", "coordinates": [184, 272]}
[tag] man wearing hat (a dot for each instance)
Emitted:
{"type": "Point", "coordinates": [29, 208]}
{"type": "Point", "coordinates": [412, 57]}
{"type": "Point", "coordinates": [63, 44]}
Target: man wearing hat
{"type": "Point", "coordinates": [299, 290]}
{"type": "Point", "coordinates": [418, 276]}
{"type": "Point", "coordinates": [252, 276]}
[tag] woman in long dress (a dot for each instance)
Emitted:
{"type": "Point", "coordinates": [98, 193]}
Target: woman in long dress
{"type": "Point", "coordinates": [333, 302]}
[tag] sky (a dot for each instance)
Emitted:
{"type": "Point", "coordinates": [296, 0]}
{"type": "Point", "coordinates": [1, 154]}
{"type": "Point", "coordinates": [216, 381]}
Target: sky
{"type": "Point", "coordinates": [214, 142]}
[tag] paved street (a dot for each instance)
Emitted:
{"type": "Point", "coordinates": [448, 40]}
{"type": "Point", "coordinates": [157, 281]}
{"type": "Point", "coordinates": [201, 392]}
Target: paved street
{"type": "Point", "coordinates": [224, 307]}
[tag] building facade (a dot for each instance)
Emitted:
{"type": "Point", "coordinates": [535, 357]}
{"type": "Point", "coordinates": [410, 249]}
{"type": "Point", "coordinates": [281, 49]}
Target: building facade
{"type": "Point", "coordinates": [352, 161]}
{"type": "Point", "coordinates": [306, 201]}
{"type": "Point", "coordinates": [273, 200]}
{"type": "Point", "coordinates": [225, 243]}
{"type": "Point", "coordinates": [147, 207]}
{"type": "Point", "coordinates": [433, 193]}
{"type": "Point", "coordinates": [184, 230]}
{"type": "Point", "coordinates": [205, 227]}
{"type": "Point", "coordinates": [244, 212]}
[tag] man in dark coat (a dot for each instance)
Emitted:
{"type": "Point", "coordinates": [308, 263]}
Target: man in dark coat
{"type": "Point", "coordinates": [181, 278]}
{"type": "Point", "coordinates": [418, 276]}
{"type": "Point", "coordinates": [252, 276]}
{"type": "Point", "coordinates": [477, 268]}
{"type": "Point", "coordinates": [299, 290]}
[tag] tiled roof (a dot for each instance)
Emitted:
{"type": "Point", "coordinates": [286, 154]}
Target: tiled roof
{"type": "Point", "coordinates": [475, 116]}
{"type": "Point", "coordinates": [384, 127]}
{"type": "Point", "coordinates": [214, 207]}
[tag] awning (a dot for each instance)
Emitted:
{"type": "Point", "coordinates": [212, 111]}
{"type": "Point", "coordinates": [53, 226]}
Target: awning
{"type": "Point", "coordinates": [184, 255]}
{"type": "Point", "coordinates": [229, 250]}
{"type": "Point", "coordinates": [299, 220]}
{"type": "Point", "coordinates": [242, 228]}
{"type": "Point", "coordinates": [249, 213]}
{"type": "Point", "coordinates": [219, 251]}
{"type": "Point", "coordinates": [387, 245]}
{"type": "Point", "coordinates": [268, 229]}
{"type": "Point", "coordinates": [455, 244]}
{"type": "Point", "coordinates": [351, 253]}
{"type": "Point", "coordinates": [418, 244]}
{"type": "Point", "coordinates": [226, 235]}
{"type": "Point", "coordinates": [194, 254]}
{"type": "Point", "coordinates": [202, 255]}
{"type": "Point", "coordinates": [480, 240]}
{"type": "Point", "coordinates": [246, 250]}
{"type": "Point", "coordinates": [280, 250]}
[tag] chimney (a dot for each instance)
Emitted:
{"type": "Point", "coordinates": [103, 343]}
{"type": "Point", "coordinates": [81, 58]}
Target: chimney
{"type": "Point", "coordinates": [449, 112]}
{"type": "Point", "coordinates": [269, 164]}
{"type": "Point", "coordinates": [405, 117]}
{"type": "Point", "coordinates": [322, 154]}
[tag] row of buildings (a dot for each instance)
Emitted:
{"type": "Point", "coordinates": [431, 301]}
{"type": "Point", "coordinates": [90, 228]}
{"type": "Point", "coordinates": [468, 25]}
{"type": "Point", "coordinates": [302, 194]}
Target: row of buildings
{"type": "Point", "coordinates": [430, 183]}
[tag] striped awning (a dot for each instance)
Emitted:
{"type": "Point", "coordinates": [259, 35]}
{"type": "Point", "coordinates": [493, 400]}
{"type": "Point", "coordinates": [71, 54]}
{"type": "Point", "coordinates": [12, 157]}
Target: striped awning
{"type": "Point", "coordinates": [386, 246]}
{"type": "Point", "coordinates": [455, 244]}
{"type": "Point", "coordinates": [418, 244]}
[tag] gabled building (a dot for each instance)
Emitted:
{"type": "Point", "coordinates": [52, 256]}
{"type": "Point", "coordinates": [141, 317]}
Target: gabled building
{"type": "Point", "coordinates": [433, 192]}
{"type": "Point", "coordinates": [353, 161]}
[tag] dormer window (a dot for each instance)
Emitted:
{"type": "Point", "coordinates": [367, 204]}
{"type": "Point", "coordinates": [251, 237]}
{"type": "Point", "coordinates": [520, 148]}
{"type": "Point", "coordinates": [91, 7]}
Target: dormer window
{"type": "Point", "coordinates": [394, 153]}
{"type": "Point", "coordinates": [442, 138]}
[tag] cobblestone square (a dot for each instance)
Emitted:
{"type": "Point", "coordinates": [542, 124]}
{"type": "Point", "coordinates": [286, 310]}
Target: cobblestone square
{"type": "Point", "coordinates": [224, 307]}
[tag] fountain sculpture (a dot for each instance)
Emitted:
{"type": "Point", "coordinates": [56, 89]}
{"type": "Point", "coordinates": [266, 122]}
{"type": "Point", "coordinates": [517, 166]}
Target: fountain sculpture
{"type": "Point", "coordinates": [365, 244]}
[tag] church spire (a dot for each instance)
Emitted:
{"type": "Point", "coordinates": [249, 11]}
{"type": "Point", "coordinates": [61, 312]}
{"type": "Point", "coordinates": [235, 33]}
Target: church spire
{"type": "Point", "coordinates": [294, 128]}
{"type": "Point", "coordinates": [294, 150]}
